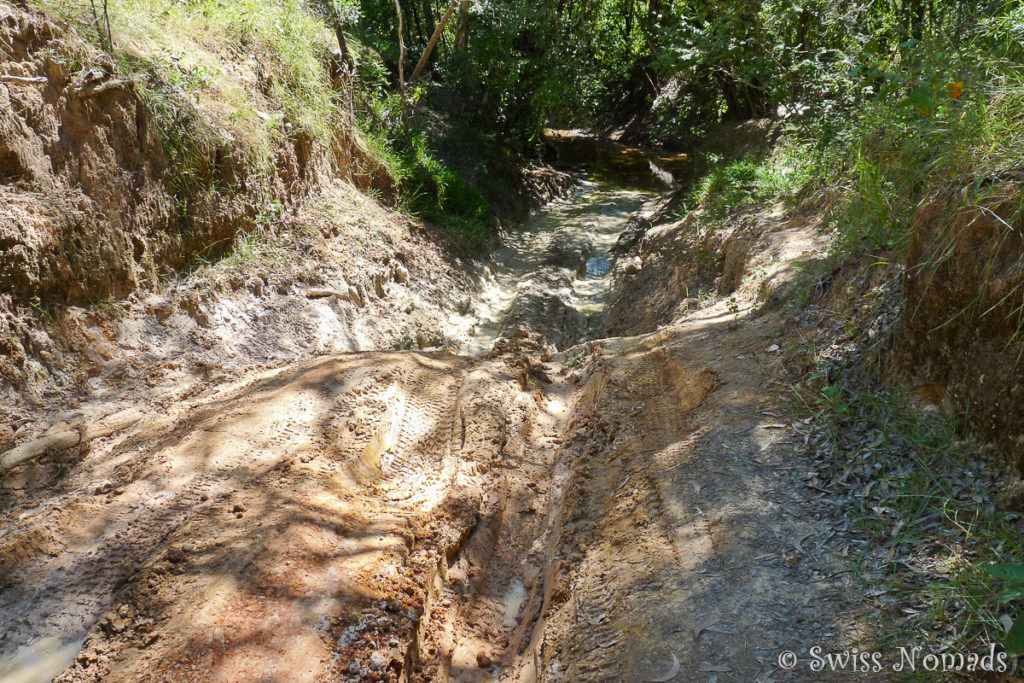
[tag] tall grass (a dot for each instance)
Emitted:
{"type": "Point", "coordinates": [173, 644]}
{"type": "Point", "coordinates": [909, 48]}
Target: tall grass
{"type": "Point", "coordinates": [234, 77]}
{"type": "Point", "coordinates": [894, 158]}
{"type": "Point", "coordinates": [732, 182]}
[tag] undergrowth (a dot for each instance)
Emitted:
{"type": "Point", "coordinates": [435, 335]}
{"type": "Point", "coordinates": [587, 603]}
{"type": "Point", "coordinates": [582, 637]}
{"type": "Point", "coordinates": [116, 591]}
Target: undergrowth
{"type": "Point", "coordinates": [923, 524]}
{"type": "Point", "coordinates": [428, 187]}
{"type": "Point", "coordinates": [729, 183]}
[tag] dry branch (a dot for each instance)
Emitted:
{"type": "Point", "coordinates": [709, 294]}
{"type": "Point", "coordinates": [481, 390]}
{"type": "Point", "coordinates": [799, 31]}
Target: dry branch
{"type": "Point", "coordinates": [55, 442]}
{"type": "Point", "coordinates": [23, 79]}
{"type": "Point", "coordinates": [102, 88]}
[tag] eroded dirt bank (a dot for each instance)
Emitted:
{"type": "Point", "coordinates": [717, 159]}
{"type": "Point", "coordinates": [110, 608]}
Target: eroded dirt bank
{"type": "Point", "coordinates": [143, 240]}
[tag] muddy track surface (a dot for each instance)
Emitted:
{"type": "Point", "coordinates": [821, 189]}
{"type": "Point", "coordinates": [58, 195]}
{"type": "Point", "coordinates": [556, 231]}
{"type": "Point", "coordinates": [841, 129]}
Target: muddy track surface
{"type": "Point", "coordinates": [628, 509]}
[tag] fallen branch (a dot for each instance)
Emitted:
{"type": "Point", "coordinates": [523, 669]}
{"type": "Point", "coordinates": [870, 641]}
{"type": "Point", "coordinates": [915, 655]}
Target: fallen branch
{"type": "Point", "coordinates": [323, 293]}
{"type": "Point", "coordinates": [24, 79]}
{"type": "Point", "coordinates": [55, 442]}
{"type": "Point", "coordinates": [109, 85]}
{"type": "Point", "coordinates": [353, 294]}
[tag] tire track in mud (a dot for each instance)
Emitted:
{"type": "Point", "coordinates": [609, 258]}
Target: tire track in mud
{"type": "Point", "coordinates": [356, 477]}
{"type": "Point", "coordinates": [617, 527]}
{"type": "Point", "coordinates": [421, 516]}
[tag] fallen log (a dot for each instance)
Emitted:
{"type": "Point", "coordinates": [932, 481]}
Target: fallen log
{"type": "Point", "coordinates": [55, 442]}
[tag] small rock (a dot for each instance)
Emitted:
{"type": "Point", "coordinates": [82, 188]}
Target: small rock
{"type": "Point", "coordinates": [630, 266]}
{"type": "Point", "coordinates": [378, 661]}
{"type": "Point", "coordinates": [482, 660]}
{"type": "Point", "coordinates": [114, 624]}
{"type": "Point", "coordinates": [238, 507]}
{"type": "Point", "coordinates": [774, 348]}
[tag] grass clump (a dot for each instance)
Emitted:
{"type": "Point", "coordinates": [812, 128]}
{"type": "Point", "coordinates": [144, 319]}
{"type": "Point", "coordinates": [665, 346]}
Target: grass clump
{"type": "Point", "coordinates": [256, 70]}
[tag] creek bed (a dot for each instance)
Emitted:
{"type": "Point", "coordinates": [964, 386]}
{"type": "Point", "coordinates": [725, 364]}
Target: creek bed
{"type": "Point", "coordinates": [596, 213]}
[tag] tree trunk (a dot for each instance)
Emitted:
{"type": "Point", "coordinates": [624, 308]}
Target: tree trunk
{"type": "Point", "coordinates": [462, 37]}
{"type": "Point", "coordinates": [428, 17]}
{"type": "Point", "coordinates": [429, 50]}
{"type": "Point", "coordinates": [419, 25]}
{"type": "Point", "coordinates": [346, 57]}
{"type": "Point", "coordinates": [401, 58]}
{"type": "Point", "coordinates": [916, 18]}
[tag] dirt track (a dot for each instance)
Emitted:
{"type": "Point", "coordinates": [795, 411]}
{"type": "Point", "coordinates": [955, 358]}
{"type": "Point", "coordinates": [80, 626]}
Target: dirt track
{"type": "Point", "coordinates": [426, 514]}
{"type": "Point", "coordinates": [628, 509]}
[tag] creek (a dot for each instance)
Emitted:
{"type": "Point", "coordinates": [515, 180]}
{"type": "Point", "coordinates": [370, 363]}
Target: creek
{"type": "Point", "coordinates": [616, 182]}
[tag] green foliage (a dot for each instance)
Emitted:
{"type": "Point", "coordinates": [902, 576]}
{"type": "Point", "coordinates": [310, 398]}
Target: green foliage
{"type": "Point", "coordinates": [427, 187]}
{"type": "Point", "coordinates": [434, 192]}
{"type": "Point", "coordinates": [1012, 574]}
{"type": "Point", "coordinates": [730, 183]}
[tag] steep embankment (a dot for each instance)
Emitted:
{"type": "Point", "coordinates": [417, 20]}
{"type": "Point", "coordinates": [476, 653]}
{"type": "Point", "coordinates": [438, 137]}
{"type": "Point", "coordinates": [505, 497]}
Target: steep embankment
{"type": "Point", "coordinates": [961, 334]}
{"type": "Point", "coordinates": [168, 220]}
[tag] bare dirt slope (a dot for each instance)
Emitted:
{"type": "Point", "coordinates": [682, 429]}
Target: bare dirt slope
{"type": "Point", "coordinates": [630, 509]}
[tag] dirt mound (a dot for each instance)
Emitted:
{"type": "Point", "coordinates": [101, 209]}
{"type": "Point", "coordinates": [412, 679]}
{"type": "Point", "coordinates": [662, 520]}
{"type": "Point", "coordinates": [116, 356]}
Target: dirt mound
{"type": "Point", "coordinates": [676, 267]}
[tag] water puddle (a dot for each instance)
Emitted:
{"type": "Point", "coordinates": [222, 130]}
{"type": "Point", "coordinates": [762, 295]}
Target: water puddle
{"type": "Point", "coordinates": [39, 661]}
{"type": "Point", "coordinates": [512, 602]}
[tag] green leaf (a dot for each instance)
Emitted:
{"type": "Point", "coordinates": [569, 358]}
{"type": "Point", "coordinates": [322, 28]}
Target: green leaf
{"type": "Point", "coordinates": [922, 99]}
{"type": "Point", "coordinates": [1015, 637]}
{"type": "Point", "coordinates": [1010, 572]}
{"type": "Point", "coordinates": [909, 43]}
